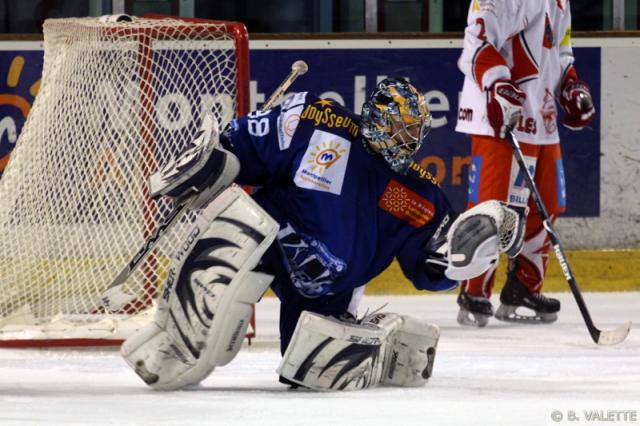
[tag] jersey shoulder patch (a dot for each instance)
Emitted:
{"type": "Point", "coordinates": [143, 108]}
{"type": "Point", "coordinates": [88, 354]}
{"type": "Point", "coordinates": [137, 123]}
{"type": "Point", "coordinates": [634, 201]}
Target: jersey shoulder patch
{"type": "Point", "coordinates": [406, 205]}
{"type": "Point", "coordinates": [289, 119]}
{"type": "Point", "coordinates": [324, 163]}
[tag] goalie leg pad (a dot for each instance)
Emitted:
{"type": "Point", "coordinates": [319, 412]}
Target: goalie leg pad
{"type": "Point", "coordinates": [387, 348]}
{"type": "Point", "coordinates": [410, 353]}
{"type": "Point", "coordinates": [328, 354]}
{"type": "Point", "coordinates": [205, 307]}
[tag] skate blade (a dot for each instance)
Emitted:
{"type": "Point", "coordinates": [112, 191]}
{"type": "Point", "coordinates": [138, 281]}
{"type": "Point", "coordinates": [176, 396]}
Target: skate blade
{"type": "Point", "coordinates": [508, 313]}
{"type": "Point", "coordinates": [470, 319]}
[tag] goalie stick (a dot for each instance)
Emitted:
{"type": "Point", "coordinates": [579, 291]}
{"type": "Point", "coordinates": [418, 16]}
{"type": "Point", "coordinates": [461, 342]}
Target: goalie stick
{"type": "Point", "coordinates": [601, 337]}
{"type": "Point", "coordinates": [114, 297]}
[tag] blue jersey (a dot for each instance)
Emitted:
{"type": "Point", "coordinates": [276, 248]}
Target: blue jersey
{"type": "Point", "coordinates": [344, 215]}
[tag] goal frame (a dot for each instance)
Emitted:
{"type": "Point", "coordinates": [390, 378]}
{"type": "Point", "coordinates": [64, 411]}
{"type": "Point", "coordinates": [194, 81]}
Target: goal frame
{"type": "Point", "coordinates": [239, 34]}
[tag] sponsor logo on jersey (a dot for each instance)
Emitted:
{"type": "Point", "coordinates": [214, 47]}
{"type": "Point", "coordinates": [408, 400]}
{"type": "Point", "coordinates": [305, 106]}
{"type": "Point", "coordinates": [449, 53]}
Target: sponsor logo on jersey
{"type": "Point", "coordinates": [324, 163]}
{"type": "Point", "coordinates": [465, 114]}
{"type": "Point", "coordinates": [406, 205]}
{"type": "Point", "coordinates": [527, 125]}
{"type": "Point", "coordinates": [322, 113]}
{"type": "Point", "coordinates": [423, 173]}
{"type": "Point", "coordinates": [287, 125]}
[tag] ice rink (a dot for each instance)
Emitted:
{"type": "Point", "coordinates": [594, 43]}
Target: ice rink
{"type": "Point", "coordinates": [504, 374]}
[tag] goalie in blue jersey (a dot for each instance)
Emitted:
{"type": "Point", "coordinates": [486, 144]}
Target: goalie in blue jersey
{"type": "Point", "coordinates": [339, 197]}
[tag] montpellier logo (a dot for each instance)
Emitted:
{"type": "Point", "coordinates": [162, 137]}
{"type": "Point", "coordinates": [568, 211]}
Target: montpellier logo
{"type": "Point", "coordinates": [324, 163]}
{"type": "Point", "coordinates": [406, 205]}
{"type": "Point", "coordinates": [326, 155]}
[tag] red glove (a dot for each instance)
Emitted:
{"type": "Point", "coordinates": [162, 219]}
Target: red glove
{"type": "Point", "coordinates": [575, 99]}
{"type": "Point", "coordinates": [504, 106]}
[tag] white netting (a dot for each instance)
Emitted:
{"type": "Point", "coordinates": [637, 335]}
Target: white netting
{"type": "Point", "coordinates": [116, 101]}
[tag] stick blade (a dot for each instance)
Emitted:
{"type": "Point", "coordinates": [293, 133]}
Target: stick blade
{"type": "Point", "coordinates": [615, 336]}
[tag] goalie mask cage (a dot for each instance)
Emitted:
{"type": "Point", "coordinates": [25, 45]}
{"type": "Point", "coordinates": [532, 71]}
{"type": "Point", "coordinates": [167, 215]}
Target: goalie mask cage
{"type": "Point", "coordinates": [116, 101]}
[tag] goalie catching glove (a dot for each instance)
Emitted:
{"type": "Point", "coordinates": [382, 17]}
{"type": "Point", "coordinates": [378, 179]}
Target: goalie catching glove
{"type": "Point", "coordinates": [384, 348]}
{"type": "Point", "coordinates": [202, 171]}
{"type": "Point", "coordinates": [478, 236]}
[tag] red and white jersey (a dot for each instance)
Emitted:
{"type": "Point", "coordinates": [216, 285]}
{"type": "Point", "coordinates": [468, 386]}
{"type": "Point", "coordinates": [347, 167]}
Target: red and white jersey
{"type": "Point", "coordinates": [526, 41]}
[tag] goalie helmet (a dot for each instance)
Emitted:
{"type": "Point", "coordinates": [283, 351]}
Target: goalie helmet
{"type": "Point", "coordinates": [395, 121]}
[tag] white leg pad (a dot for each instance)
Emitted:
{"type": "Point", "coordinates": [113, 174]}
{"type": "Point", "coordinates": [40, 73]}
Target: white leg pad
{"type": "Point", "coordinates": [410, 353]}
{"type": "Point", "coordinates": [205, 307]}
{"type": "Point", "coordinates": [329, 354]}
{"type": "Point", "coordinates": [386, 348]}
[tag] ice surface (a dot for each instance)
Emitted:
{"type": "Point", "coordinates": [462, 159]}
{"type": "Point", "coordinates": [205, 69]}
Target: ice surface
{"type": "Point", "coordinates": [504, 374]}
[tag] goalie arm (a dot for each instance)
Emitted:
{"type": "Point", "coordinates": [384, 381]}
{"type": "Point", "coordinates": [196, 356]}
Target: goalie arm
{"type": "Point", "coordinates": [463, 247]}
{"type": "Point", "coordinates": [422, 257]}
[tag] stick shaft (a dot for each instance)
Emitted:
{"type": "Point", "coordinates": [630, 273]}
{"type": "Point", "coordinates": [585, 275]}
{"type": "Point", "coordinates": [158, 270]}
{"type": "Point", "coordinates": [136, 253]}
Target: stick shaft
{"type": "Point", "coordinates": [280, 89]}
{"type": "Point", "coordinates": [555, 241]}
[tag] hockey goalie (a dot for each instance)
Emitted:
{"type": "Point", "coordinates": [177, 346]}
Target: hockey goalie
{"type": "Point", "coordinates": [339, 198]}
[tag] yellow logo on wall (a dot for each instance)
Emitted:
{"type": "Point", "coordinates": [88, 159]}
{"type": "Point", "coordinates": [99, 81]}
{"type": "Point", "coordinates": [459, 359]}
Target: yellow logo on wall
{"type": "Point", "coordinates": [14, 108]}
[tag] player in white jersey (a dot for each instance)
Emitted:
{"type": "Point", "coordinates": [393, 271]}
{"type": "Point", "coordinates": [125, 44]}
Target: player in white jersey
{"type": "Point", "coordinates": [517, 61]}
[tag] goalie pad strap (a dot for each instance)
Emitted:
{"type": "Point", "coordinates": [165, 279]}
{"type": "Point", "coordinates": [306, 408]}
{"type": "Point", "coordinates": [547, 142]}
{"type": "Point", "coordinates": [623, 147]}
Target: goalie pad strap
{"type": "Point", "coordinates": [205, 307]}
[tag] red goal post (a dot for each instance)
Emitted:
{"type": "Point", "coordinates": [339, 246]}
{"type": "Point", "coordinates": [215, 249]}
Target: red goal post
{"type": "Point", "coordinates": [117, 100]}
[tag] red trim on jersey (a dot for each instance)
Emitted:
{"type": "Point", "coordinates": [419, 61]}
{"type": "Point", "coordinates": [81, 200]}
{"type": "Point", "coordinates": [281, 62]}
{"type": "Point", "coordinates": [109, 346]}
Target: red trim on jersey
{"type": "Point", "coordinates": [569, 74]}
{"type": "Point", "coordinates": [486, 57]}
{"type": "Point", "coordinates": [547, 38]}
{"type": "Point", "coordinates": [524, 65]}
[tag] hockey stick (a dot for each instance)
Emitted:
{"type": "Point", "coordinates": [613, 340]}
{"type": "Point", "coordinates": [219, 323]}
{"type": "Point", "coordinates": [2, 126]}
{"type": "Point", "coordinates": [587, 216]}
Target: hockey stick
{"type": "Point", "coordinates": [601, 337]}
{"type": "Point", "coordinates": [114, 298]}
{"type": "Point", "coordinates": [298, 68]}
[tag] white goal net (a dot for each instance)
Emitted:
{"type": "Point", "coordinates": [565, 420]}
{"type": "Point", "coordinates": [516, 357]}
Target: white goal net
{"type": "Point", "coordinates": [116, 101]}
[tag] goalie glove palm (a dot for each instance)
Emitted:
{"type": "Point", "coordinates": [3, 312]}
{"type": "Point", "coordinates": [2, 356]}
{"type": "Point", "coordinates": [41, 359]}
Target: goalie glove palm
{"type": "Point", "coordinates": [479, 235]}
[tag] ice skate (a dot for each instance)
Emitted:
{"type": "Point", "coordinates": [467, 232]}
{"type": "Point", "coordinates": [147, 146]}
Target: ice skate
{"type": "Point", "coordinates": [516, 295]}
{"type": "Point", "coordinates": [475, 311]}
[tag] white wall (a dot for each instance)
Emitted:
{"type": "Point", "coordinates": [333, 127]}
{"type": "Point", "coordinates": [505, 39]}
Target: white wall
{"type": "Point", "coordinates": [619, 223]}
